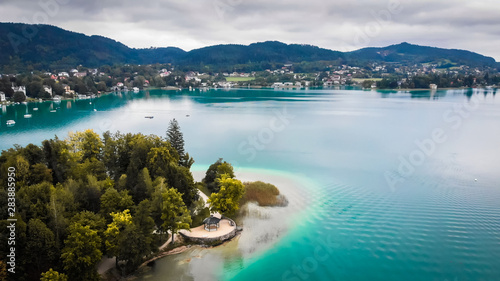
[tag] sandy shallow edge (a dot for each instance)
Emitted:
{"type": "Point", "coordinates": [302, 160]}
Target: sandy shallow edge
{"type": "Point", "coordinates": [263, 227]}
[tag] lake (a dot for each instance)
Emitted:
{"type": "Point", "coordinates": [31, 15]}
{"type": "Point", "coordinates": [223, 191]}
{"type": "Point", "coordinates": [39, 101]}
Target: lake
{"type": "Point", "coordinates": [396, 185]}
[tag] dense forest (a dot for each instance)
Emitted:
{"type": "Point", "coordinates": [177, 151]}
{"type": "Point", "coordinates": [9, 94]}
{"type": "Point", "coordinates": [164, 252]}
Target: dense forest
{"type": "Point", "coordinates": [84, 197]}
{"type": "Point", "coordinates": [42, 47]}
{"type": "Point", "coordinates": [440, 80]}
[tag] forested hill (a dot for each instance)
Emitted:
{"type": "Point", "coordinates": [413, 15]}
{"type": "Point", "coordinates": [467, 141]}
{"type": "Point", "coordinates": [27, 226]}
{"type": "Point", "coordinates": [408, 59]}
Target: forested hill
{"type": "Point", "coordinates": [45, 47]}
{"type": "Point", "coordinates": [406, 53]}
{"type": "Point", "coordinates": [50, 47]}
{"type": "Point", "coordinates": [259, 55]}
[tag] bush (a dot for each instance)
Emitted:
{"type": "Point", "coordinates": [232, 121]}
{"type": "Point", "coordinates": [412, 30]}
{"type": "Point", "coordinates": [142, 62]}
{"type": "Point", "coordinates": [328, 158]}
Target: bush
{"type": "Point", "coordinates": [19, 97]}
{"type": "Point", "coordinates": [265, 194]}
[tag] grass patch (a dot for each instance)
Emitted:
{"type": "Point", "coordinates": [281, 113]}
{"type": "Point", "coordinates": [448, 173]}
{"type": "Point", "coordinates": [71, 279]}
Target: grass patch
{"type": "Point", "coordinates": [239, 79]}
{"type": "Point", "coordinates": [360, 80]}
{"type": "Point", "coordinates": [264, 194]}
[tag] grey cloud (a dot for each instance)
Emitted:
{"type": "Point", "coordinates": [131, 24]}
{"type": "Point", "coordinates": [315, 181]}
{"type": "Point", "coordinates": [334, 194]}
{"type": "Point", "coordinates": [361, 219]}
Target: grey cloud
{"type": "Point", "coordinates": [332, 24]}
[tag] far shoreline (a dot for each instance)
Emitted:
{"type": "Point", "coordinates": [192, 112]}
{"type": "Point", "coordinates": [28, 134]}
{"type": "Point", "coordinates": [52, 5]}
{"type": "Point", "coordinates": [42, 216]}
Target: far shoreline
{"type": "Point", "coordinates": [252, 87]}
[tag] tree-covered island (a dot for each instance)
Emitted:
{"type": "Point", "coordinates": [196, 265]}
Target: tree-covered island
{"type": "Point", "coordinates": [87, 197]}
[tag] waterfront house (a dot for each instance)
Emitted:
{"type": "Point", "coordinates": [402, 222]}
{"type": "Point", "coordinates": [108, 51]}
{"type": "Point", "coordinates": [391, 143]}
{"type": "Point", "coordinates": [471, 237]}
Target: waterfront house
{"type": "Point", "coordinates": [19, 89]}
{"type": "Point", "coordinates": [2, 97]}
{"type": "Point", "coordinates": [48, 89]}
{"type": "Point", "coordinates": [328, 83]}
{"type": "Point", "coordinates": [67, 91]}
{"type": "Point", "coordinates": [164, 74]}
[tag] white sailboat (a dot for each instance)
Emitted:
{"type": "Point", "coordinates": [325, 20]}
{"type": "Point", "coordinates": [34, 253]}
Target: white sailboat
{"type": "Point", "coordinates": [27, 115]}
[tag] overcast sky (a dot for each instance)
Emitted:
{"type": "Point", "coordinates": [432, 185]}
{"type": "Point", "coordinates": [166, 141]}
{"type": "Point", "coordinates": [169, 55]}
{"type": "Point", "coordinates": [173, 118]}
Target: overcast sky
{"type": "Point", "coordinates": [339, 25]}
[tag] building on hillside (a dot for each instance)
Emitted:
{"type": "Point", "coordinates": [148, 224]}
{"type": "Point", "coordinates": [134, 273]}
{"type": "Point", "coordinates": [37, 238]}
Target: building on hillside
{"type": "Point", "coordinates": [67, 91]}
{"type": "Point", "coordinates": [48, 89]}
{"type": "Point", "coordinates": [19, 89]}
{"type": "Point", "coordinates": [2, 97]}
{"type": "Point", "coordinates": [80, 74]}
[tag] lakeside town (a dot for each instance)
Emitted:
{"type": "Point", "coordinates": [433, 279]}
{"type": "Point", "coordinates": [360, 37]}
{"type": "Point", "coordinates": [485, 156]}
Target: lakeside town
{"type": "Point", "coordinates": [82, 82]}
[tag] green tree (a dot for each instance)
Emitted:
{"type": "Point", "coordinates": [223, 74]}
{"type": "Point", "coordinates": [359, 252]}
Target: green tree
{"type": "Point", "coordinates": [87, 194]}
{"type": "Point", "coordinates": [145, 223]}
{"type": "Point", "coordinates": [39, 173]}
{"type": "Point", "coordinates": [94, 221]}
{"type": "Point", "coordinates": [82, 253]}
{"type": "Point", "coordinates": [215, 171]}
{"type": "Point", "coordinates": [5, 86]}
{"type": "Point", "coordinates": [144, 186]}
{"type": "Point", "coordinates": [113, 201]}
{"type": "Point", "coordinates": [225, 169]}
{"type": "Point", "coordinates": [40, 245]}
{"type": "Point", "coordinates": [101, 86]}
{"type": "Point", "coordinates": [52, 275]}
{"type": "Point", "coordinates": [226, 201]}
{"type": "Point", "coordinates": [133, 247]}
{"type": "Point", "coordinates": [34, 200]}
{"type": "Point", "coordinates": [156, 206]}
{"type": "Point", "coordinates": [33, 154]}
{"type": "Point", "coordinates": [115, 234]}
{"type": "Point", "coordinates": [161, 161]}
{"type": "Point", "coordinates": [175, 214]}
{"type": "Point", "coordinates": [59, 159]}
{"type": "Point", "coordinates": [180, 178]}
{"type": "Point", "coordinates": [35, 89]}
{"type": "Point", "coordinates": [367, 84]}
{"type": "Point", "coordinates": [175, 137]}
{"type": "Point", "coordinates": [87, 145]}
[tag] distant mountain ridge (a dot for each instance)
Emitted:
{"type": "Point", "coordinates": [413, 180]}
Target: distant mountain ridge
{"type": "Point", "coordinates": [51, 47]}
{"type": "Point", "coordinates": [406, 52]}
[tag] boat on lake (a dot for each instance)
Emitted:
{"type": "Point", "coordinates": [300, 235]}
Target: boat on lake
{"type": "Point", "coordinates": [11, 122]}
{"type": "Point", "coordinates": [149, 117]}
{"type": "Point", "coordinates": [27, 115]}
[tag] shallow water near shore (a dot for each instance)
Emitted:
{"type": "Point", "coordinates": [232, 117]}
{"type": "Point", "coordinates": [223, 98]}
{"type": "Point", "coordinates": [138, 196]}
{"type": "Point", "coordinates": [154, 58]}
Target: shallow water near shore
{"type": "Point", "coordinates": [263, 227]}
{"type": "Point", "coordinates": [390, 185]}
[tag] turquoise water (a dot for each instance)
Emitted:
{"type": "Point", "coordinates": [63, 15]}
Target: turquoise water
{"type": "Point", "coordinates": [404, 186]}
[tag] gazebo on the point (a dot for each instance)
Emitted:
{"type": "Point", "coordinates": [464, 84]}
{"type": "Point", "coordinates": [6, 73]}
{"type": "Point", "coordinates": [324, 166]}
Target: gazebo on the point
{"type": "Point", "coordinates": [211, 223]}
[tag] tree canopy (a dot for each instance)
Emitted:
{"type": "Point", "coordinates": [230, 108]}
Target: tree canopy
{"type": "Point", "coordinates": [175, 214]}
{"type": "Point", "coordinates": [73, 193]}
{"type": "Point", "coordinates": [227, 200]}
{"type": "Point", "coordinates": [215, 171]}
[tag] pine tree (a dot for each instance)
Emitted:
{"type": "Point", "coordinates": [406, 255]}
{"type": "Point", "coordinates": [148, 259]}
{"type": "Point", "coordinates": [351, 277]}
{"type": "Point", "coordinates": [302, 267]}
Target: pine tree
{"type": "Point", "coordinates": [175, 137]}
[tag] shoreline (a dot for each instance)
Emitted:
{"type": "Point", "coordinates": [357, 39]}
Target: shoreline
{"type": "Point", "coordinates": [263, 228]}
{"type": "Point", "coordinates": [33, 100]}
